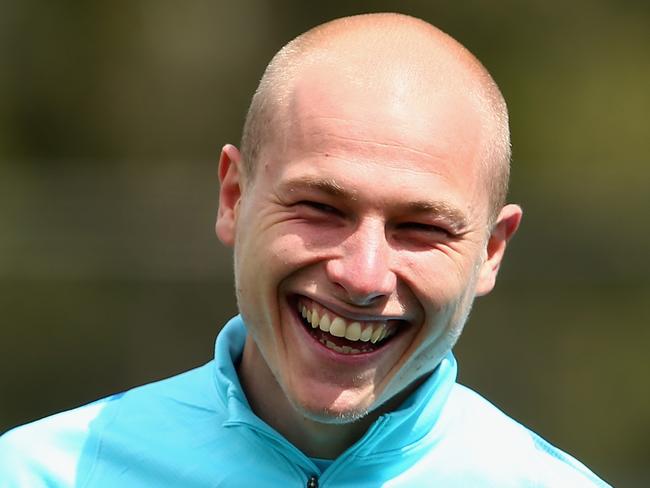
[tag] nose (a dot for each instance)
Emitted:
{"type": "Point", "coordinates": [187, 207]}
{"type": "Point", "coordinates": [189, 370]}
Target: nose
{"type": "Point", "coordinates": [362, 270]}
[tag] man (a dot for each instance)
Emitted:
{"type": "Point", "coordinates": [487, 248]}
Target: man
{"type": "Point", "coordinates": [366, 211]}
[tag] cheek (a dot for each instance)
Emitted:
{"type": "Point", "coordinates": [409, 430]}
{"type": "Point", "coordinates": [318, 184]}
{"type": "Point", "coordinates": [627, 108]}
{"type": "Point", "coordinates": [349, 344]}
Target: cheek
{"type": "Point", "coordinates": [436, 278]}
{"type": "Point", "coordinates": [293, 246]}
{"type": "Point", "coordinates": [285, 251]}
{"type": "Point", "coordinates": [263, 261]}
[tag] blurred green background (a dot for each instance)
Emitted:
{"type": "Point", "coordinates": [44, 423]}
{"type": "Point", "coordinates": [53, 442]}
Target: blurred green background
{"type": "Point", "coordinates": [112, 115]}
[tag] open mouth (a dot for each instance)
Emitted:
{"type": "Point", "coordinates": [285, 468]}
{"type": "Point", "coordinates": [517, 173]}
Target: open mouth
{"type": "Point", "coordinates": [345, 336]}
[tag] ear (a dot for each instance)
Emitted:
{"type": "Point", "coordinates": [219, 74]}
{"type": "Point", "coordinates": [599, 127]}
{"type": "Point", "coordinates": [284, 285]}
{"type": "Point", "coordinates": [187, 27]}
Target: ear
{"type": "Point", "coordinates": [230, 179]}
{"type": "Point", "coordinates": [505, 227]}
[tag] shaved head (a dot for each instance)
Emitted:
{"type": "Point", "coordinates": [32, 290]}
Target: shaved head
{"type": "Point", "coordinates": [397, 57]}
{"type": "Point", "coordinates": [373, 162]}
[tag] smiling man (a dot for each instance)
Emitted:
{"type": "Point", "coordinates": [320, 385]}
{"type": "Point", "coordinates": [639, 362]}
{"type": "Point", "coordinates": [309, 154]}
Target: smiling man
{"type": "Point", "coordinates": [366, 210]}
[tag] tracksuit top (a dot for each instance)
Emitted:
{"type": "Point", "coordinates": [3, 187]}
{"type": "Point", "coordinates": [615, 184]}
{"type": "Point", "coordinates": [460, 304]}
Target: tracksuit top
{"type": "Point", "coordinates": [197, 429]}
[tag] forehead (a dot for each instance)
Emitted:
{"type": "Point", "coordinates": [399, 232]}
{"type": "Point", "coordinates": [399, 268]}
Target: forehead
{"type": "Point", "coordinates": [394, 115]}
{"type": "Point", "coordinates": [393, 120]}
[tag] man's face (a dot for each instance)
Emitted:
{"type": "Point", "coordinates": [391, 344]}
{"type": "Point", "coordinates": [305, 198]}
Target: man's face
{"type": "Point", "coordinates": [359, 243]}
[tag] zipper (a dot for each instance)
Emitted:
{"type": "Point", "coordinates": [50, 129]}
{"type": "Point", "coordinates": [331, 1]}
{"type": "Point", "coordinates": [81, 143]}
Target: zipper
{"type": "Point", "coordinates": [341, 460]}
{"type": "Point", "coordinates": [294, 456]}
{"type": "Point", "coordinates": [313, 481]}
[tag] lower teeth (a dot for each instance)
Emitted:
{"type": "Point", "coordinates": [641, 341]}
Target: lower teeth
{"type": "Point", "coordinates": [340, 349]}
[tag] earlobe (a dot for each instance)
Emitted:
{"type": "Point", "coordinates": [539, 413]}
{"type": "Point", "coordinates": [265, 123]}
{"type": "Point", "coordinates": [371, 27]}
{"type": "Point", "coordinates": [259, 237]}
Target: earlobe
{"type": "Point", "coordinates": [229, 194]}
{"type": "Point", "coordinates": [506, 225]}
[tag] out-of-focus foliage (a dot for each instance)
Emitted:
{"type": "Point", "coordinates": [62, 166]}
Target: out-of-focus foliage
{"type": "Point", "coordinates": [112, 115]}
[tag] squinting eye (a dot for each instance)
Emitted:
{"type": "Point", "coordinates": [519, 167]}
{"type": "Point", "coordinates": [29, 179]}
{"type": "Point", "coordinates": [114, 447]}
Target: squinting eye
{"type": "Point", "coordinates": [321, 207]}
{"type": "Point", "coordinates": [425, 228]}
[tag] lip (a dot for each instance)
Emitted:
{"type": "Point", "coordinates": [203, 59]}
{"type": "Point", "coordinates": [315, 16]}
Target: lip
{"type": "Point", "coordinates": [352, 315]}
{"type": "Point", "coordinates": [329, 355]}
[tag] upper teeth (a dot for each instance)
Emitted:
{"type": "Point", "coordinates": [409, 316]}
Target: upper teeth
{"type": "Point", "coordinates": [340, 327]}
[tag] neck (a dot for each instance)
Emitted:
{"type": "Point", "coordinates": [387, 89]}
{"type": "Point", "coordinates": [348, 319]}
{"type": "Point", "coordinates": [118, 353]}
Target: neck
{"type": "Point", "coordinates": [269, 402]}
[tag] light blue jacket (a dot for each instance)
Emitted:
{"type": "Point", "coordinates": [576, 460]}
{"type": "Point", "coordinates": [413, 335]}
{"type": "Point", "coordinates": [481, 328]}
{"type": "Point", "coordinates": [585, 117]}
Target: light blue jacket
{"type": "Point", "coordinates": [197, 430]}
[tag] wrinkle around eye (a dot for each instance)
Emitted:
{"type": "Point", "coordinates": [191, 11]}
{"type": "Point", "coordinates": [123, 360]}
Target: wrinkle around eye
{"type": "Point", "coordinates": [448, 248]}
{"type": "Point", "coordinates": [425, 228]}
{"type": "Point", "coordinates": [320, 207]}
{"type": "Point", "coordinates": [310, 210]}
{"type": "Point", "coordinates": [421, 236]}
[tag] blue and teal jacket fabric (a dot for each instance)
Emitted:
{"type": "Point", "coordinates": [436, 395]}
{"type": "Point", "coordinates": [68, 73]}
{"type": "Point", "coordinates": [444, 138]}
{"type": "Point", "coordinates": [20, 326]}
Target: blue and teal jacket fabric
{"type": "Point", "coordinates": [197, 430]}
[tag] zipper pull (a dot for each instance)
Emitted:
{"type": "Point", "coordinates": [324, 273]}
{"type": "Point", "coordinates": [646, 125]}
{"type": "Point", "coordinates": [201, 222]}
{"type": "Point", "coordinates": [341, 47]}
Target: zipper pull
{"type": "Point", "coordinates": [312, 482]}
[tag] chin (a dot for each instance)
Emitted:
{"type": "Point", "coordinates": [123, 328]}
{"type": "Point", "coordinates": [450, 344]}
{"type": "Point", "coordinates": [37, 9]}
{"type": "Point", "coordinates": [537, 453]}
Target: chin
{"type": "Point", "coordinates": [344, 409]}
{"type": "Point", "coordinates": [333, 415]}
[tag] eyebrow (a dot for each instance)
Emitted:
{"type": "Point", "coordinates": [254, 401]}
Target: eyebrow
{"type": "Point", "coordinates": [453, 216]}
{"type": "Point", "coordinates": [324, 185]}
